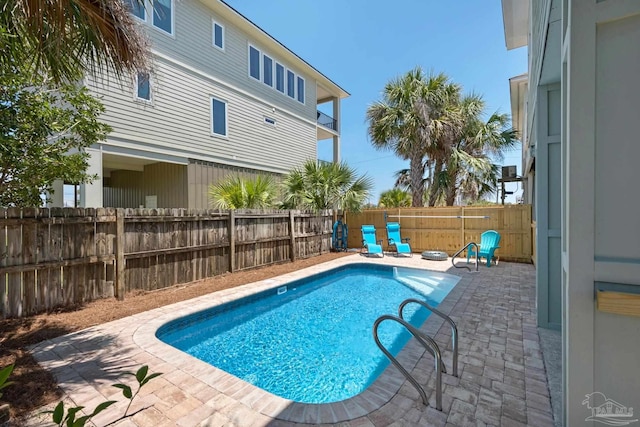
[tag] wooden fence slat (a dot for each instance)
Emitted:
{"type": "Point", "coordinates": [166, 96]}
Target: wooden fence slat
{"type": "Point", "coordinates": [4, 302]}
{"type": "Point", "coordinates": [14, 257]}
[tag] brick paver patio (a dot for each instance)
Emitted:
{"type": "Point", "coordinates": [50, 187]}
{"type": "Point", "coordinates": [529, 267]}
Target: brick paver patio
{"type": "Point", "coordinates": [501, 381]}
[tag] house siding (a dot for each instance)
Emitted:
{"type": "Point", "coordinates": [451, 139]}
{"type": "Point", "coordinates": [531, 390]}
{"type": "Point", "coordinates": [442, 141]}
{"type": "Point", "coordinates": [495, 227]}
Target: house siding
{"type": "Point", "coordinates": [178, 121]}
{"type": "Point", "coordinates": [192, 45]}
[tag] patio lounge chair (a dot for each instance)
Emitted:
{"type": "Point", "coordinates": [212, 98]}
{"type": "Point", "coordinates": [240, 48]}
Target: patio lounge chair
{"type": "Point", "coordinates": [401, 244]}
{"type": "Point", "coordinates": [488, 244]}
{"type": "Point", "coordinates": [369, 241]}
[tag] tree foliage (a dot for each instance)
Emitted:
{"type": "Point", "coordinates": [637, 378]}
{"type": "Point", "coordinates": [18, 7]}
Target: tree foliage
{"type": "Point", "coordinates": [242, 193]}
{"type": "Point", "coordinates": [320, 186]}
{"type": "Point", "coordinates": [44, 129]}
{"type": "Point", "coordinates": [395, 198]}
{"type": "Point", "coordinates": [408, 121]}
{"type": "Point", "coordinates": [64, 39]}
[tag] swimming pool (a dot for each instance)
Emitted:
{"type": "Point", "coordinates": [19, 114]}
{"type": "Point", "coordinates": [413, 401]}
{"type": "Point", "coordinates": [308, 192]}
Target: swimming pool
{"type": "Point", "coordinates": [310, 340]}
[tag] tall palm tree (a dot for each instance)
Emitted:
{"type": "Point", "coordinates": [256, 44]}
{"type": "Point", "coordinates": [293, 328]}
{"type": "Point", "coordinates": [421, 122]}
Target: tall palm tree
{"type": "Point", "coordinates": [395, 198]}
{"type": "Point", "coordinates": [325, 186]}
{"type": "Point", "coordinates": [66, 38]}
{"type": "Point", "coordinates": [405, 120]}
{"type": "Point", "coordinates": [239, 193]}
{"type": "Point", "coordinates": [474, 145]}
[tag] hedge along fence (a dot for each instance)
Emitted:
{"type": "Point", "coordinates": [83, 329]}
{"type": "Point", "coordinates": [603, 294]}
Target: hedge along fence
{"type": "Point", "coordinates": [64, 256]}
{"type": "Point", "coordinates": [446, 229]}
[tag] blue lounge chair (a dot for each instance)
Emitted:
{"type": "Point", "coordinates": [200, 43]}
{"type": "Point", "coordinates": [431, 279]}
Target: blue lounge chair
{"type": "Point", "coordinates": [393, 235]}
{"type": "Point", "coordinates": [488, 244]}
{"type": "Point", "coordinates": [369, 241]}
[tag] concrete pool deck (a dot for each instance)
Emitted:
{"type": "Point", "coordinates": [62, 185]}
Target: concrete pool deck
{"type": "Point", "coordinates": [502, 379]}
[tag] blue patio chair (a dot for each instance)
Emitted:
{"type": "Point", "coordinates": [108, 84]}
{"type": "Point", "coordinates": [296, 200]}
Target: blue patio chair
{"type": "Point", "coordinates": [369, 241]}
{"type": "Point", "coordinates": [488, 244]}
{"type": "Point", "coordinates": [401, 244]}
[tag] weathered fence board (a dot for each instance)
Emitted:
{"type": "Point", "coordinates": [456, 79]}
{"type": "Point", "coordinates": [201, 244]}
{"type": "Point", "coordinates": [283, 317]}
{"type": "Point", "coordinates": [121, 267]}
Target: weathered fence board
{"type": "Point", "coordinates": [449, 228]}
{"type": "Point", "coordinates": [60, 257]}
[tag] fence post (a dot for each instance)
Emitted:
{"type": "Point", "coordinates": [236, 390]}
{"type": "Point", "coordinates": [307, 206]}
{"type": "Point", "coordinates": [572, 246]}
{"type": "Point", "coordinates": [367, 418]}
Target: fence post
{"type": "Point", "coordinates": [462, 242]}
{"type": "Point", "coordinates": [120, 262]}
{"type": "Point", "coordinates": [232, 240]}
{"type": "Point", "coordinates": [292, 250]}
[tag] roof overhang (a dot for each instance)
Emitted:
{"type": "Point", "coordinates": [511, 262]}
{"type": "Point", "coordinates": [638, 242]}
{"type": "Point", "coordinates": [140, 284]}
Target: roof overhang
{"type": "Point", "coordinates": [515, 14]}
{"type": "Point", "coordinates": [261, 37]}
{"type": "Point", "coordinates": [518, 87]}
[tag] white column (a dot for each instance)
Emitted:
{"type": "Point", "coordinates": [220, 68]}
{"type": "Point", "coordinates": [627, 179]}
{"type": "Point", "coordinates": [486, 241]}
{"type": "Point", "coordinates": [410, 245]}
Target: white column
{"type": "Point", "coordinates": [91, 194]}
{"type": "Point", "coordinates": [336, 138]}
{"type": "Point", "coordinates": [56, 197]}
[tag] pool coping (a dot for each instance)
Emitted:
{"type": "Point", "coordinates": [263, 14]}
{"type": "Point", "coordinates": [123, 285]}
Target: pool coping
{"type": "Point", "coordinates": [383, 389]}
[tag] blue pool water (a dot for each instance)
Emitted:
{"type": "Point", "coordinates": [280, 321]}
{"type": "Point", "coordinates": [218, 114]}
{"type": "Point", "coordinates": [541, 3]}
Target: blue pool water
{"type": "Point", "coordinates": [314, 342]}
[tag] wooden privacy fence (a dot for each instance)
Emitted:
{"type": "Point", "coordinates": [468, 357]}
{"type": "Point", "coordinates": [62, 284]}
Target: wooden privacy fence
{"type": "Point", "coordinates": [64, 256]}
{"type": "Point", "coordinates": [446, 228]}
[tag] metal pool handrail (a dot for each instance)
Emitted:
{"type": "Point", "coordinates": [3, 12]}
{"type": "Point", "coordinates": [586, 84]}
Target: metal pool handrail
{"type": "Point", "coordinates": [454, 328]}
{"type": "Point", "coordinates": [428, 343]}
{"type": "Point", "coordinates": [453, 258]}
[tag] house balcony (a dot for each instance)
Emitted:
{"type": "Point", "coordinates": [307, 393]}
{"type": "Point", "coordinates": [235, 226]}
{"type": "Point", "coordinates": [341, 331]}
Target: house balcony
{"type": "Point", "coordinates": [327, 121]}
{"type": "Point", "coordinates": [327, 126]}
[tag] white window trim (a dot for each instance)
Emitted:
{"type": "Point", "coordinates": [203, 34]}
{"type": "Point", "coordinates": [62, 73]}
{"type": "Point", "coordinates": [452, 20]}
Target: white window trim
{"type": "Point", "coordinates": [213, 34]}
{"type": "Point", "coordinates": [226, 117]}
{"type": "Point", "coordinates": [284, 78]}
{"type": "Point", "coordinates": [146, 12]}
{"type": "Point", "coordinates": [173, 19]}
{"type": "Point", "coordinates": [135, 90]}
{"type": "Point", "coordinates": [249, 46]}
{"type": "Point", "coordinates": [273, 61]}
{"type": "Point", "coordinates": [304, 83]}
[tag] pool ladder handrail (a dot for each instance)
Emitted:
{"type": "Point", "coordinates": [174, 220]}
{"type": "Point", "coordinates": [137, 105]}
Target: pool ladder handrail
{"type": "Point", "coordinates": [428, 343]}
{"type": "Point", "coordinates": [454, 328]}
{"type": "Point", "coordinates": [453, 258]}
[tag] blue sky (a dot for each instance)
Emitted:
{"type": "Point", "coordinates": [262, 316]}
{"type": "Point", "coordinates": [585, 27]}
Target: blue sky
{"type": "Point", "coordinates": [362, 44]}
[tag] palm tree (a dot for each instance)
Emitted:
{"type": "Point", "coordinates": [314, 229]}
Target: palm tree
{"type": "Point", "coordinates": [395, 198]}
{"type": "Point", "coordinates": [406, 120]}
{"type": "Point", "coordinates": [239, 193]}
{"type": "Point", "coordinates": [473, 146]}
{"type": "Point", "coordinates": [66, 38]}
{"type": "Point", "coordinates": [325, 186]}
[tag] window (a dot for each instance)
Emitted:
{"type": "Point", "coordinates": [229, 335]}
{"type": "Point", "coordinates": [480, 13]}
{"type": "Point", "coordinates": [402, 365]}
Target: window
{"type": "Point", "coordinates": [218, 117]}
{"type": "Point", "coordinates": [254, 62]}
{"type": "Point", "coordinates": [163, 15]}
{"type": "Point", "coordinates": [269, 121]}
{"type": "Point", "coordinates": [291, 84]}
{"type": "Point", "coordinates": [137, 9]}
{"type": "Point", "coordinates": [280, 77]}
{"type": "Point", "coordinates": [300, 89]}
{"type": "Point", "coordinates": [143, 86]}
{"type": "Point", "coordinates": [218, 35]}
{"type": "Point", "coordinates": [267, 70]}
{"type": "Point", "coordinates": [284, 81]}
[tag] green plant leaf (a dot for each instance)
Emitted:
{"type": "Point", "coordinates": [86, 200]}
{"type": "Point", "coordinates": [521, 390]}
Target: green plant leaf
{"type": "Point", "coordinates": [101, 407]}
{"type": "Point", "coordinates": [4, 375]}
{"type": "Point", "coordinates": [150, 377]}
{"type": "Point", "coordinates": [58, 413]}
{"type": "Point", "coordinates": [80, 422]}
{"type": "Point", "coordinates": [126, 390]}
{"type": "Point", "coordinates": [142, 372]}
{"type": "Point", "coordinates": [71, 415]}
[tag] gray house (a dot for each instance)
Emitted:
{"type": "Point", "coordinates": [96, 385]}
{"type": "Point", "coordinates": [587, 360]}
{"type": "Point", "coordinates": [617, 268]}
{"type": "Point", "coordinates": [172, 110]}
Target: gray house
{"type": "Point", "coordinates": [223, 97]}
{"type": "Point", "coordinates": [577, 111]}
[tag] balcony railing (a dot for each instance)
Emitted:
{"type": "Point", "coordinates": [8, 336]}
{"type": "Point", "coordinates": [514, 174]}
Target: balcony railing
{"type": "Point", "coordinates": [327, 121]}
